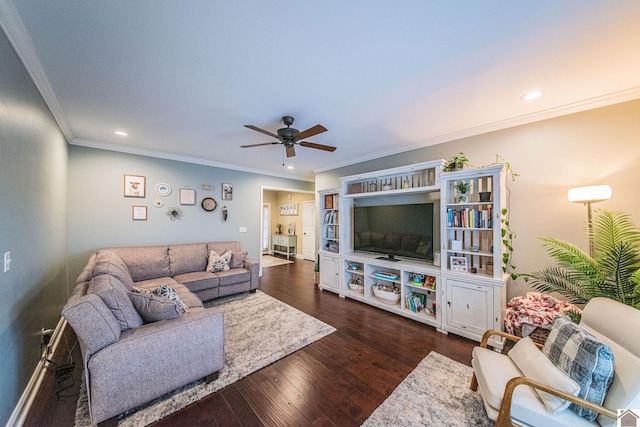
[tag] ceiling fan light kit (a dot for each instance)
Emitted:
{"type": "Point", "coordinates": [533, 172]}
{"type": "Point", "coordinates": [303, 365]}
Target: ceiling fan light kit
{"type": "Point", "coordinates": [289, 137]}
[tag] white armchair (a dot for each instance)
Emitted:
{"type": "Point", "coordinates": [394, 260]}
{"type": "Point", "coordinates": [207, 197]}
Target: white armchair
{"type": "Point", "coordinates": [501, 383]}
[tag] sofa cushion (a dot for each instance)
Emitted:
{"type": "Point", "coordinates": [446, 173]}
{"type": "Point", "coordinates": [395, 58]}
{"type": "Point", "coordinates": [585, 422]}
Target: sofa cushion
{"type": "Point", "coordinates": [535, 365]}
{"type": "Point", "coordinates": [187, 258]}
{"type": "Point", "coordinates": [188, 297]}
{"type": "Point", "coordinates": [85, 274]}
{"type": "Point", "coordinates": [152, 307]}
{"type": "Point", "coordinates": [218, 262]}
{"type": "Point", "coordinates": [222, 247]}
{"type": "Point", "coordinates": [109, 262]}
{"type": "Point", "coordinates": [237, 258]}
{"type": "Point", "coordinates": [233, 276]}
{"type": "Point", "coordinates": [144, 263]}
{"type": "Point", "coordinates": [114, 294]}
{"type": "Point", "coordinates": [198, 280]}
{"type": "Point", "coordinates": [587, 360]}
{"type": "Point", "coordinates": [92, 321]}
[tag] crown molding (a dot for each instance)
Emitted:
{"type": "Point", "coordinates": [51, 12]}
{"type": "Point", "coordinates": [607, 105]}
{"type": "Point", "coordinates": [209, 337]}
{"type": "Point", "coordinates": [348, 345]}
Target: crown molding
{"type": "Point", "coordinates": [564, 110]}
{"type": "Point", "coordinates": [179, 158]}
{"type": "Point", "coordinates": [21, 42]}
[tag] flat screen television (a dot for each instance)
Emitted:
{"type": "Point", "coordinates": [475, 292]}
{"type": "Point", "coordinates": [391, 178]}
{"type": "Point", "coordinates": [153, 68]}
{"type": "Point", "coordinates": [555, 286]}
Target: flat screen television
{"type": "Point", "coordinates": [400, 230]}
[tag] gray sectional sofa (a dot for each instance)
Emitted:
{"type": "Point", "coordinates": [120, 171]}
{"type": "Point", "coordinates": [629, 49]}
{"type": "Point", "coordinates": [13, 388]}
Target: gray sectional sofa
{"type": "Point", "coordinates": [137, 345]}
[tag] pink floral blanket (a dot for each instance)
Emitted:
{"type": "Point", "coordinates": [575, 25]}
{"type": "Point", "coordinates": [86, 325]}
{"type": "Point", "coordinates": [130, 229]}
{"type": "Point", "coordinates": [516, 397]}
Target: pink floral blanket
{"type": "Point", "coordinates": [534, 310]}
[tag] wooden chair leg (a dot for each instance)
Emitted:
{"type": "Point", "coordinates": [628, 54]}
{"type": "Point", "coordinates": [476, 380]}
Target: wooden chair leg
{"type": "Point", "coordinates": [474, 383]}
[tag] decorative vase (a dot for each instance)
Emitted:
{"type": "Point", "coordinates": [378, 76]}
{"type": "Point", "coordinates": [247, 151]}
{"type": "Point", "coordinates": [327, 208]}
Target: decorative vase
{"type": "Point", "coordinates": [462, 198]}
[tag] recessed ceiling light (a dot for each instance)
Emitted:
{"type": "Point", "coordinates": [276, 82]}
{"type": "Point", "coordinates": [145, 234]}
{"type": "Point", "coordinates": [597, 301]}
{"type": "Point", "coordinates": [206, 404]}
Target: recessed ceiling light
{"type": "Point", "coordinates": [290, 167]}
{"type": "Point", "coordinates": [531, 95]}
{"type": "Point", "coordinates": [121, 133]}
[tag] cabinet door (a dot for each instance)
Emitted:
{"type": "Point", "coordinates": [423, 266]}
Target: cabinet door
{"type": "Point", "coordinates": [469, 308]}
{"type": "Point", "coordinates": [329, 272]}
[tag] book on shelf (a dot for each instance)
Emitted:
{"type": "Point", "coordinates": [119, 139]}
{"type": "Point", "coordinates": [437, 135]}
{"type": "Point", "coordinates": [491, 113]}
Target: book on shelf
{"type": "Point", "coordinates": [416, 302]}
{"type": "Point", "coordinates": [470, 218]}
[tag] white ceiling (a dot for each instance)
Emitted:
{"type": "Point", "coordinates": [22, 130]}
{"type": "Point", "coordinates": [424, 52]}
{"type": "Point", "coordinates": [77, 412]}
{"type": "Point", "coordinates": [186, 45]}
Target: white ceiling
{"type": "Point", "coordinates": [182, 77]}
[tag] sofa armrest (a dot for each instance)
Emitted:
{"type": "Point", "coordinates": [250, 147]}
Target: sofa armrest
{"type": "Point", "coordinates": [93, 322]}
{"type": "Point", "coordinates": [173, 352]}
{"type": "Point", "coordinates": [254, 268]}
{"type": "Point", "coordinates": [504, 415]}
{"type": "Point", "coordinates": [488, 334]}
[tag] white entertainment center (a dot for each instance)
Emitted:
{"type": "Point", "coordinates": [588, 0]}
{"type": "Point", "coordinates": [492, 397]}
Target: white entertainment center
{"type": "Point", "coordinates": [464, 290]}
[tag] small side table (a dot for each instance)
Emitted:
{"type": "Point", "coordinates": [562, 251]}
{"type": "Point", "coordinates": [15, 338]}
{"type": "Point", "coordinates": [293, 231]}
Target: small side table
{"type": "Point", "coordinates": [284, 244]}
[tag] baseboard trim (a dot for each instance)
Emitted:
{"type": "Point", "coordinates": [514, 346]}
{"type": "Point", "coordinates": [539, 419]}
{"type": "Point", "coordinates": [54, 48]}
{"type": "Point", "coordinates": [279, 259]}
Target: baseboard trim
{"type": "Point", "coordinates": [31, 391]}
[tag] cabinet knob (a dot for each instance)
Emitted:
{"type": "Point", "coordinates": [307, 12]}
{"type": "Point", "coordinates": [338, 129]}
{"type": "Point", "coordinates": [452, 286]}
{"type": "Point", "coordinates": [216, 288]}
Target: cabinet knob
{"type": "Point", "coordinates": [449, 303]}
{"type": "Point", "coordinates": [467, 306]}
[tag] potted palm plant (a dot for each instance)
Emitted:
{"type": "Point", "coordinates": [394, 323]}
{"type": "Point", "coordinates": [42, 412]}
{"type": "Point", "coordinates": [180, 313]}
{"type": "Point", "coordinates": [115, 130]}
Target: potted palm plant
{"type": "Point", "coordinates": [612, 272]}
{"type": "Point", "coordinates": [462, 188]}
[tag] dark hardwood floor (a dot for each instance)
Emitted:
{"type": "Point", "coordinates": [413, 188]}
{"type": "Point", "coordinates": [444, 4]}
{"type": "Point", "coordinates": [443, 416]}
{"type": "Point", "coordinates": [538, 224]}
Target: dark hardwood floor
{"type": "Point", "coordinates": [336, 381]}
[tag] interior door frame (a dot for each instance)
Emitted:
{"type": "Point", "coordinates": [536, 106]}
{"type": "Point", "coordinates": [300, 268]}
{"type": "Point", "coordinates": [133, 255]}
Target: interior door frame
{"type": "Point", "coordinates": [264, 188]}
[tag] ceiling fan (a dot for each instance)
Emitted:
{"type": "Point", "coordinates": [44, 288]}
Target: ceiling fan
{"type": "Point", "coordinates": [289, 137]}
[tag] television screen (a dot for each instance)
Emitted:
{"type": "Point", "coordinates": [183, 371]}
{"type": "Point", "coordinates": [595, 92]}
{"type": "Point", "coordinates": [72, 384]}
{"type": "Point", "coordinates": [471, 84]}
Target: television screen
{"type": "Point", "coordinates": [404, 230]}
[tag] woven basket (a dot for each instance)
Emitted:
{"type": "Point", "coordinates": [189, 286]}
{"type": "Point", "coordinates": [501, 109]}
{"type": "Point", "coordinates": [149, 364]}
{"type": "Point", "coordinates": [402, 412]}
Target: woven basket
{"type": "Point", "coordinates": [538, 335]}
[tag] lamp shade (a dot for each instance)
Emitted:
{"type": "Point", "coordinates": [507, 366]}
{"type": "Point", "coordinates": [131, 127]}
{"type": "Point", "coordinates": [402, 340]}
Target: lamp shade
{"type": "Point", "coordinates": [595, 193]}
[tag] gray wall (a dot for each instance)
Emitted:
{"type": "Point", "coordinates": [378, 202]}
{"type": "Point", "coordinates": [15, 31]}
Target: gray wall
{"type": "Point", "coordinates": [100, 216]}
{"type": "Point", "coordinates": [33, 195]}
{"type": "Point", "coordinates": [600, 146]}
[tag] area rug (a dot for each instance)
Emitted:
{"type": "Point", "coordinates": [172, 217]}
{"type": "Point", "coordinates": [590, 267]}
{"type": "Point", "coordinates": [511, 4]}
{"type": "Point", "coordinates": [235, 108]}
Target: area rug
{"type": "Point", "coordinates": [259, 330]}
{"type": "Point", "coordinates": [271, 261]}
{"type": "Point", "coordinates": [436, 393]}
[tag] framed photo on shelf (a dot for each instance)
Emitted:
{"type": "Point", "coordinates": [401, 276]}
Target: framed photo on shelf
{"type": "Point", "coordinates": [458, 263]}
{"type": "Point", "coordinates": [139, 213]}
{"type": "Point", "coordinates": [134, 186]}
{"type": "Point", "coordinates": [328, 201]}
{"type": "Point", "coordinates": [227, 191]}
{"type": "Point", "coordinates": [187, 196]}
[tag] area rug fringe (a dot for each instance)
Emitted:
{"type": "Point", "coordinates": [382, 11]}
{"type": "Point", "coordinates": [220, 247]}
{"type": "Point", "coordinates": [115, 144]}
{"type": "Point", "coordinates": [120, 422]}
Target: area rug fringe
{"type": "Point", "coordinates": [259, 330]}
{"type": "Point", "coordinates": [436, 393]}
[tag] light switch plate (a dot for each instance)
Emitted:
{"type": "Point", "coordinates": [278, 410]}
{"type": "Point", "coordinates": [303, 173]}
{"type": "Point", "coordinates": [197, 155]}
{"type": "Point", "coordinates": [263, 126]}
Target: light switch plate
{"type": "Point", "coordinates": [243, 229]}
{"type": "Point", "coordinates": [7, 261]}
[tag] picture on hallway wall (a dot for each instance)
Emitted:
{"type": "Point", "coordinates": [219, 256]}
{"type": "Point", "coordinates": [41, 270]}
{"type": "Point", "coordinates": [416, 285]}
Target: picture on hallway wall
{"type": "Point", "coordinates": [134, 186]}
{"type": "Point", "coordinates": [227, 192]}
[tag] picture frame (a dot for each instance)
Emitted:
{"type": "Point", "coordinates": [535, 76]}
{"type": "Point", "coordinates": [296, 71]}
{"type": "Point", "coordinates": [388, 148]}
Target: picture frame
{"type": "Point", "coordinates": [227, 191]}
{"type": "Point", "coordinates": [139, 213]}
{"type": "Point", "coordinates": [328, 201]}
{"type": "Point", "coordinates": [187, 196]}
{"type": "Point", "coordinates": [289, 209]}
{"type": "Point", "coordinates": [135, 186]}
{"type": "Point", "coordinates": [459, 263]}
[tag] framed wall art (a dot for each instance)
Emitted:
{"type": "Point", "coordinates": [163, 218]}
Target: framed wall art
{"type": "Point", "coordinates": [289, 209]}
{"type": "Point", "coordinates": [139, 213]}
{"type": "Point", "coordinates": [227, 192]}
{"type": "Point", "coordinates": [134, 186]}
{"type": "Point", "coordinates": [187, 196]}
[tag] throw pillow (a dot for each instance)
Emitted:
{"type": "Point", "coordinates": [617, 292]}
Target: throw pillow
{"type": "Point", "coordinates": [170, 293]}
{"type": "Point", "coordinates": [219, 262]}
{"type": "Point", "coordinates": [153, 308]}
{"type": "Point", "coordinates": [587, 360]}
{"type": "Point", "coordinates": [237, 259]}
{"type": "Point", "coordinates": [535, 365]}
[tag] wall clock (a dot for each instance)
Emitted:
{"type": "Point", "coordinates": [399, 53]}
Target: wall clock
{"type": "Point", "coordinates": [208, 204]}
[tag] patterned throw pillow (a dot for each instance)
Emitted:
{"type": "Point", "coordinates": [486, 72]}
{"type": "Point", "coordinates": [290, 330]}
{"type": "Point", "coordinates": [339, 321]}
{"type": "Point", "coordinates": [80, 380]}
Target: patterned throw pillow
{"type": "Point", "coordinates": [587, 360]}
{"type": "Point", "coordinates": [219, 262]}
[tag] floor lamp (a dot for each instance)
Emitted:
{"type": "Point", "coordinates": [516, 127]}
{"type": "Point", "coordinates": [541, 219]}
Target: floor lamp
{"type": "Point", "coordinates": [588, 195]}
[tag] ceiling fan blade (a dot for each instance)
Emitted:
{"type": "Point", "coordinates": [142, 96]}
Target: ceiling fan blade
{"type": "Point", "coordinates": [257, 129]}
{"type": "Point", "coordinates": [290, 150]}
{"type": "Point", "coordinates": [311, 131]}
{"type": "Point", "coordinates": [317, 146]}
{"type": "Point", "coordinates": [258, 145]}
